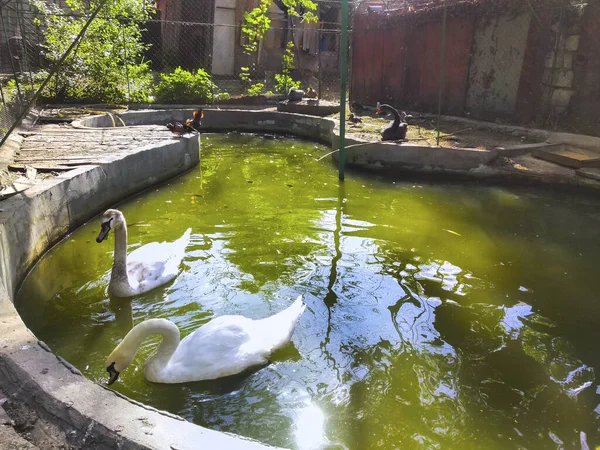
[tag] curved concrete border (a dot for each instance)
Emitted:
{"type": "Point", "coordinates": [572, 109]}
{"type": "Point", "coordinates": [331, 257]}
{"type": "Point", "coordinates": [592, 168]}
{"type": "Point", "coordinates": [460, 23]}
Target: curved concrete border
{"type": "Point", "coordinates": [364, 154]}
{"type": "Point", "coordinates": [90, 415]}
{"type": "Point", "coordinates": [359, 152]}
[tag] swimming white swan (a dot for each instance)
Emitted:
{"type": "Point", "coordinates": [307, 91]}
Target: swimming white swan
{"type": "Point", "coordinates": [224, 346]}
{"type": "Point", "coordinates": [144, 268]}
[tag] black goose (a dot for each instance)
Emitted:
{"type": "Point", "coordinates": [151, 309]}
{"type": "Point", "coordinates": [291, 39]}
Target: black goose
{"type": "Point", "coordinates": [396, 130]}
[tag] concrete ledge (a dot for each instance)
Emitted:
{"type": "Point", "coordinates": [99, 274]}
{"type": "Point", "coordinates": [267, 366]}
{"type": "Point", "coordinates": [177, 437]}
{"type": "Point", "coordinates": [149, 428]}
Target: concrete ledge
{"type": "Point", "coordinates": [382, 154]}
{"type": "Point", "coordinates": [360, 153]}
{"type": "Point", "coordinates": [575, 140]}
{"type": "Point", "coordinates": [91, 415]}
{"type": "Point", "coordinates": [320, 108]}
{"type": "Point", "coordinates": [517, 150]}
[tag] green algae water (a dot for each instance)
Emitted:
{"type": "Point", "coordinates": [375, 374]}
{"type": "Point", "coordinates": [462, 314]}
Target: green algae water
{"type": "Point", "coordinates": [451, 316]}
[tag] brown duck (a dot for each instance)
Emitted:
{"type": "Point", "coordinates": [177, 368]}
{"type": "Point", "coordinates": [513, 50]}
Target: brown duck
{"type": "Point", "coordinates": [190, 125]}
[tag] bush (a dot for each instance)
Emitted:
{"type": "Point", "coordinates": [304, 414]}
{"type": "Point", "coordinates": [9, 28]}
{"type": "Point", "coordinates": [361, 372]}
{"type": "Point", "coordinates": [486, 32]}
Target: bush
{"type": "Point", "coordinates": [256, 89]}
{"type": "Point", "coordinates": [283, 80]}
{"type": "Point", "coordinates": [181, 86]}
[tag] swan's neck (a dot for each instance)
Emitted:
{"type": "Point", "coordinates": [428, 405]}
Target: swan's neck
{"type": "Point", "coordinates": [119, 269]}
{"type": "Point", "coordinates": [396, 123]}
{"type": "Point", "coordinates": [156, 364]}
{"type": "Point", "coordinates": [170, 341]}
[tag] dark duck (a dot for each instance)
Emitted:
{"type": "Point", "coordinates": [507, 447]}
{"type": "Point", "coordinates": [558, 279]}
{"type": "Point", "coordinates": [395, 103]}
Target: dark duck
{"type": "Point", "coordinates": [396, 130]}
{"type": "Point", "coordinates": [189, 126]}
{"type": "Point", "coordinates": [352, 118]}
{"type": "Point", "coordinates": [196, 121]}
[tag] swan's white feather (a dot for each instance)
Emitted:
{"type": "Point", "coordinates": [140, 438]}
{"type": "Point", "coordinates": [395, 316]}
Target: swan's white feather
{"type": "Point", "coordinates": [226, 346]}
{"type": "Point", "coordinates": [155, 263]}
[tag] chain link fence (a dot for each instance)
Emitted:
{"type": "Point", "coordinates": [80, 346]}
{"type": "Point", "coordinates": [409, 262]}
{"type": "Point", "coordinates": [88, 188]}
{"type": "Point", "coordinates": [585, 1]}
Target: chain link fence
{"type": "Point", "coordinates": [18, 64]}
{"type": "Point", "coordinates": [120, 60]}
{"type": "Point", "coordinates": [534, 63]}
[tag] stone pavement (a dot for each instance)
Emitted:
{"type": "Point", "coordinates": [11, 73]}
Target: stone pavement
{"type": "Point", "coordinates": [46, 150]}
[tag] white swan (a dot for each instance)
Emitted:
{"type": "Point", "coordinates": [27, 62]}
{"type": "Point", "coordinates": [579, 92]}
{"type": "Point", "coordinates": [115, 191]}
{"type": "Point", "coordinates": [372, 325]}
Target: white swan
{"type": "Point", "coordinates": [224, 346]}
{"type": "Point", "coordinates": [144, 268]}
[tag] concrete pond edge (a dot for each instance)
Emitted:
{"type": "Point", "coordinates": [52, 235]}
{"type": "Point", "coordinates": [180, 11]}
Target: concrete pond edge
{"type": "Point", "coordinates": [31, 222]}
{"type": "Point", "coordinates": [445, 163]}
{"type": "Point", "coordinates": [89, 415]}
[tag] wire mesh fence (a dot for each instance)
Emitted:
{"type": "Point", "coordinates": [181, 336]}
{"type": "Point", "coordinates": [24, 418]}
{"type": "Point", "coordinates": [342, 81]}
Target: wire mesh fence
{"type": "Point", "coordinates": [125, 58]}
{"type": "Point", "coordinates": [534, 63]}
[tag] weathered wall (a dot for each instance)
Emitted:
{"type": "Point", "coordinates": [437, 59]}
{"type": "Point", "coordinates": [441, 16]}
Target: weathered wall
{"type": "Point", "coordinates": [584, 108]}
{"type": "Point", "coordinates": [401, 62]}
{"type": "Point", "coordinates": [498, 51]}
{"type": "Point", "coordinates": [541, 70]}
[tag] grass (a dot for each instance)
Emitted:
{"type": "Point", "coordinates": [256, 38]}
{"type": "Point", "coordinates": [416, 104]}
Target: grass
{"type": "Point", "coordinates": [423, 133]}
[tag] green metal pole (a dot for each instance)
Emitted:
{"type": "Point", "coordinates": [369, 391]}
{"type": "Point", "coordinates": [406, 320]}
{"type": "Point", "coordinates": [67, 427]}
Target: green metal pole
{"type": "Point", "coordinates": [442, 73]}
{"type": "Point", "coordinates": [343, 82]}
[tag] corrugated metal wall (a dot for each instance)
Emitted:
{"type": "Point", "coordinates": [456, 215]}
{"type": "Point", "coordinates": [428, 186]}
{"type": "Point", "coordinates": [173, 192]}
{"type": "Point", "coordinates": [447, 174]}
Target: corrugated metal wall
{"type": "Point", "coordinates": [401, 64]}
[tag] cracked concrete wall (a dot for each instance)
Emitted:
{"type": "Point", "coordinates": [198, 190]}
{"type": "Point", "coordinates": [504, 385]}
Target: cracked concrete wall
{"type": "Point", "coordinates": [559, 65]}
{"type": "Point", "coordinates": [497, 58]}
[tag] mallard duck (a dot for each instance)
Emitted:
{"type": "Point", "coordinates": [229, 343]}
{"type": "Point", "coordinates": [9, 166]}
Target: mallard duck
{"type": "Point", "coordinates": [179, 129]}
{"type": "Point", "coordinates": [225, 346]}
{"type": "Point", "coordinates": [196, 122]}
{"type": "Point", "coordinates": [146, 267]}
{"type": "Point", "coordinates": [311, 93]}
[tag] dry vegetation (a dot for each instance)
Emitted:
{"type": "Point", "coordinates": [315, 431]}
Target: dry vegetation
{"type": "Point", "coordinates": [423, 131]}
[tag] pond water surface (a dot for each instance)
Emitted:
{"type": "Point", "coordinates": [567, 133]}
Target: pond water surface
{"type": "Point", "coordinates": [453, 316]}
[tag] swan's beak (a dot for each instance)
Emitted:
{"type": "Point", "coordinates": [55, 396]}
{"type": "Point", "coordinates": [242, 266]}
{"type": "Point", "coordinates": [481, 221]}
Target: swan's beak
{"type": "Point", "coordinates": [113, 374]}
{"type": "Point", "coordinates": [103, 232]}
{"type": "Point", "coordinates": [379, 112]}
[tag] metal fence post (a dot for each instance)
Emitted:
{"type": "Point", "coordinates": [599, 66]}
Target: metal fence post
{"type": "Point", "coordinates": [343, 81]}
{"type": "Point", "coordinates": [442, 73]}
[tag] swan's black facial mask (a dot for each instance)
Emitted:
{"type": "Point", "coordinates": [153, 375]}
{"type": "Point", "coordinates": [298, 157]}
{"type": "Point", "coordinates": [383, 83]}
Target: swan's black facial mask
{"type": "Point", "coordinates": [113, 374]}
{"type": "Point", "coordinates": [105, 228]}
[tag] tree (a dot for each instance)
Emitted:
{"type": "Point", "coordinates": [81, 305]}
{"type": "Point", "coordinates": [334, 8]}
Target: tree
{"type": "Point", "coordinates": [107, 64]}
{"type": "Point", "coordinates": [255, 25]}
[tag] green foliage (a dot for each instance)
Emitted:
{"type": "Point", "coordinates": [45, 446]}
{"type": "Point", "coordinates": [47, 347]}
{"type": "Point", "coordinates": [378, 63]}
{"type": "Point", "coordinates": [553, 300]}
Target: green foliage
{"type": "Point", "coordinates": [245, 74]}
{"type": "Point", "coordinates": [252, 89]}
{"type": "Point", "coordinates": [256, 89]}
{"type": "Point", "coordinates": [27, 86]}
{"type": "Point", "coordinates": [283, 80]}
{"type": "Point", "coordinates": [181, 86]}
{"type": "Point", "coordinates": [109, 53]}
{"type": "Point", "coordinates": [256, 23]}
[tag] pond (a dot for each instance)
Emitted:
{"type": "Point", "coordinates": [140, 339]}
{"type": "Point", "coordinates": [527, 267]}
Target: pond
{"type": "Point", "coordinates": [440, 315]}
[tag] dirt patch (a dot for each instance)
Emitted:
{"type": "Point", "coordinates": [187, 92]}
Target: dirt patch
{"type": "Point", "coordinates": [22, 429]}
{"type": "Point", "coordinates": [423, 131]}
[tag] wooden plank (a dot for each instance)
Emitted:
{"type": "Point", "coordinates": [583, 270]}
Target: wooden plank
{"type": "Point", "coordinates": [39, 167]}
{"type": "Point", "coordinates": [53, 158]}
